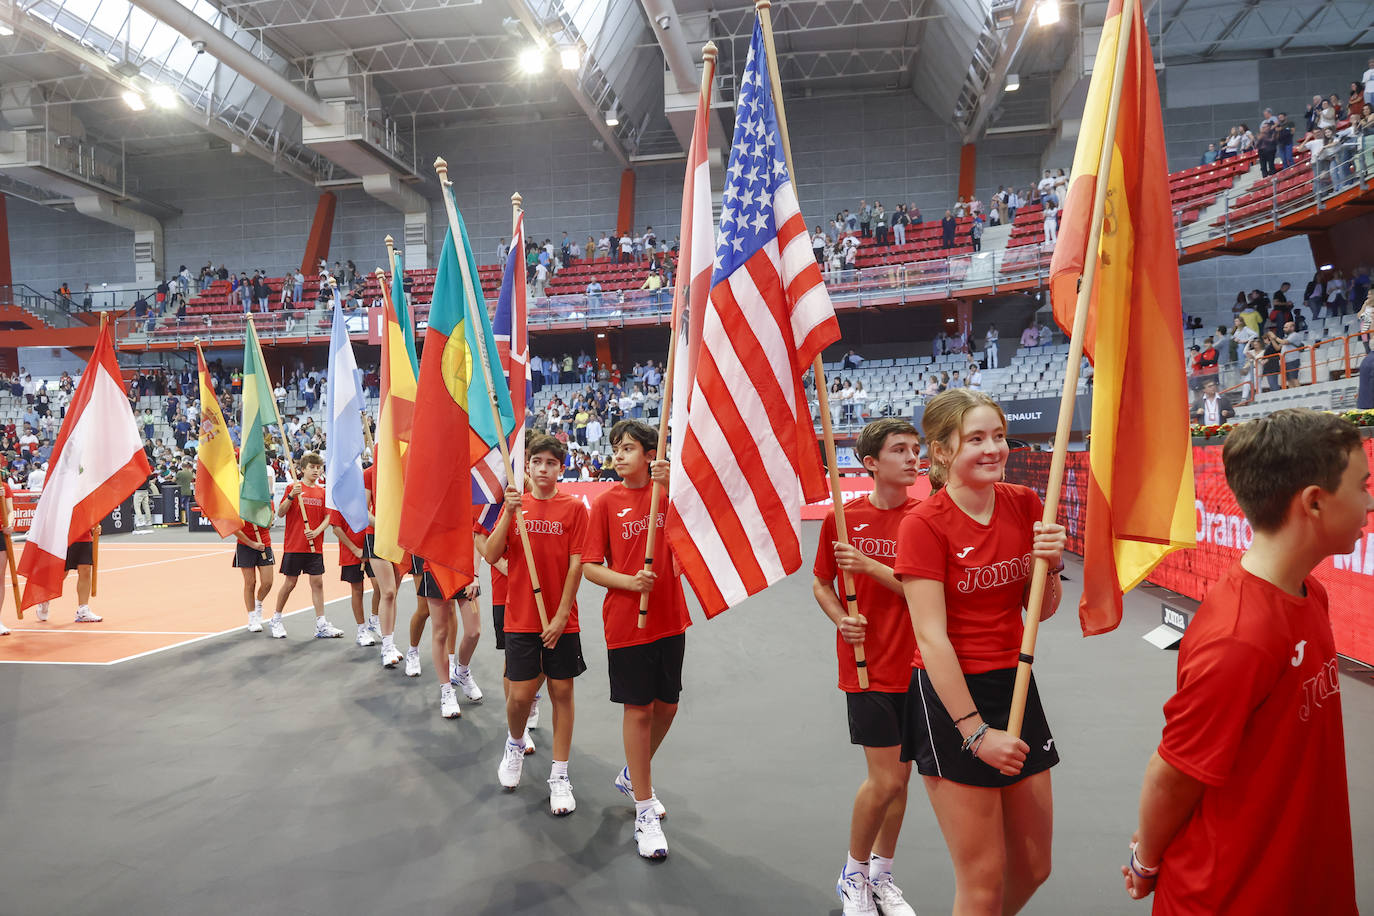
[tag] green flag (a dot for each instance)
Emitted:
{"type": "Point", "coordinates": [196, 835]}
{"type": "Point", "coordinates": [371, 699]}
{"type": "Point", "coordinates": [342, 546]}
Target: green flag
{"type": "Point", "coordinates": [255, 493]}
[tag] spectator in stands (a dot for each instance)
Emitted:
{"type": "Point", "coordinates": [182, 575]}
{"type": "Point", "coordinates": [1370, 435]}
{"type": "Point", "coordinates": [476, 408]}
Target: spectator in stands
{"type": "Point", "coordinates": [627, 248]}
{"type": "Point", "coordinates": [900, 220]}
{"type": "Point", "coordinates": [1366, 316]}
{"type": "Point", "coordinates": [947, 226]}
{"type": "Point", "coordinates": [974, 376]}
{"type": "Point", "coordinates": [818, 243]}
{"type": "Point", "coordinates": [1210, 155]}
{"type": "Point", "coordinates": [1030, 337]}
{"type": "Point", "coordinates": [1293, 342]}
{"type": "Point", "coordinates": [1051, 222]}
{"type": "Point", "coordinates": [1355, 105]}
{"type": "Point", "coordinates": [1267, 147]}
{"type": "Point", "coordinates": [880, 222]}
{"type": "Point", "coordinates": [1241, 335]}
{"type": "Point", "coordinates": [990, 339]}
{"type": "Point", "coordinates": [1231, 145]}
{"type": "Point", "coordinates": [541, 276]}
{"type": "Point", "coordinates": [654, 284]}
{"type": "Point", "coordinates": [955, 381]}
{"type": "Point", "coordinates": [1212, 408]}
{"type": "Point", "coordinates": [959, 207]}
{"type": "Point", "coordinates": [975, 232]}
{"type": "Point", "coordinates": [502, 251]}
{"type": "Point", "coordinates": [1046, 335]}
{"type": "Point", "coordinates": [937, 345]}
{"type": "Point", "coordinates": [852, 360]}
{"type": "Point", "coordinates": [1014, 203]}
{"type": "Point", "coordinates": [865, 220]}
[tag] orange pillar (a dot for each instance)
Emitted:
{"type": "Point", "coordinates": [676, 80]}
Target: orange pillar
{"type": "Point", "coordinates": [625, 216]}
{"type": "Point", "coordinates": [968, 169]}
{"type": "Point", "coordinates": [6, 277]}
{"type": "Point", "coordinates": [317, 246]}
{"type": "Point", "coordinates": [603, 350]}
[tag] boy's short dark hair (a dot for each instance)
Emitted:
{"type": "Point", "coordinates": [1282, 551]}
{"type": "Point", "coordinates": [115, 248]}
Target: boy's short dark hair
{"type": "Point", "coordinates": [1270, 460]}
{"type": "Point", "coordinates": [639, 431]}
{"type": "Point", "coordinates": [545, 443]}
{"type": "Point", "coordinates": [874, 435]}
{"type": "Point", "coordinates": [312, 458]}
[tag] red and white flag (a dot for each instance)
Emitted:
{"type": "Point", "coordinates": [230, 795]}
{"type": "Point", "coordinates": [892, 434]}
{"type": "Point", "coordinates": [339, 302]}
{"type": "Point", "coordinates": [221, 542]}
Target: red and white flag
{"type": "Point", "coordinates": [748, 457]}
{"type": "Point", "coordinates": [97, 463]}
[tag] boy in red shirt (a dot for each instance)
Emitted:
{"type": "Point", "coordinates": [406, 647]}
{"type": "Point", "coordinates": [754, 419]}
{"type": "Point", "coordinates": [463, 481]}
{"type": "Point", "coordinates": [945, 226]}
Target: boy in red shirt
{"type": "Point", "coordinates": [557, 527]}
{"type": "Point", "coordinates": [1245, 807]}
{"type": "Point", "coordinates": [253, 557]}
{"type": "Point", "coordinates": [304, 548]}
{"type": "Point", "coordinates": [890, 451]}
{"type": "Point", "coordinates": [645, 665]}
{"type": "Point", "coordinates": [352, 567]}
{"type": "Point", "coordinates": [498, 625]}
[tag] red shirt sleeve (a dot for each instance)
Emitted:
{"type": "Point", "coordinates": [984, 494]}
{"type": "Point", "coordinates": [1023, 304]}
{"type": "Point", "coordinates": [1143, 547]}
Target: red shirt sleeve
{"type": "Point", "coordinates": [1220, 683]}
{"type": "Point", "coordinates": [825, 568]}
{"type": "Point", "coordinates": [922, 551]}
{"type": "Point", "coordinates": [580, 526]}
{"type": "Point", "coordinates": [598, 524]}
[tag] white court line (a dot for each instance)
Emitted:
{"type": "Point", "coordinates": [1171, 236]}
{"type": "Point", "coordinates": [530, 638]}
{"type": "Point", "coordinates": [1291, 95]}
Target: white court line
{"type": "Point", "coordinates": [199, 556]}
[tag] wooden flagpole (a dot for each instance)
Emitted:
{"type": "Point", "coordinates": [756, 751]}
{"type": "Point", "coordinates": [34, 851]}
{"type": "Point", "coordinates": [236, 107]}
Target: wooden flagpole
{"type": "Point", "coordinates": [95, 532]}
{"type": "Point", "coordinates": [9, 560]}
{"type": "Point", "coordinates": [1066, 403]}
{"type": "Point", "coordinates": [681, 291]}
{"type": "Point", "coordinates": [441, 167]}
{"type": "Point", "coordinates": [763, 9]}
{"type": "Point", "coordinates": [281, 438]}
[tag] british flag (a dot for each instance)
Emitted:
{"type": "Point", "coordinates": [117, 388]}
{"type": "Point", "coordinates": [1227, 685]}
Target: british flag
{"type": "Point", "coordinates": [513, 352]}
{"type": "Point", "coordinates": [749, 457]}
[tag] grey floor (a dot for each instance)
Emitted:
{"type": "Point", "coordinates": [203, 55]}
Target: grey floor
{"type": "Point", "coordinates": [247, 775]}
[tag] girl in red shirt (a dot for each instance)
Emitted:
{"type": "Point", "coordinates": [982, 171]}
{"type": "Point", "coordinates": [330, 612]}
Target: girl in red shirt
{"type": "Point", "coordinates": [964, 557]}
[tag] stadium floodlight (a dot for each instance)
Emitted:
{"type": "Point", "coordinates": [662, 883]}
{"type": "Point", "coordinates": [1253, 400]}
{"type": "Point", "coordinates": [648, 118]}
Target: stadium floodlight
{"type": "Point", "coordinates": [612, 117]}
{"type": "Point", "coordinates": [133, 100]}
{"type": "Point", "coordinates": [570, 57]}
{"type": "Point", "coordinates": [1047, 12]}
{"type": "Point", "coordinates": [6, 30]}
{"type": "Point", "coordinates": [531, 60]}
{"type": "Point", "coordinates": [1013, 82]}
{"type": "Point", "coordinates": [163, 96]}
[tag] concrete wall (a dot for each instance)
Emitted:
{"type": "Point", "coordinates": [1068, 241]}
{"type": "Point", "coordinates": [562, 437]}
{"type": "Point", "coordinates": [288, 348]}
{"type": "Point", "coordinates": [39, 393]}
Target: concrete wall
{"type": "Point", "coordinates": [49, 247]}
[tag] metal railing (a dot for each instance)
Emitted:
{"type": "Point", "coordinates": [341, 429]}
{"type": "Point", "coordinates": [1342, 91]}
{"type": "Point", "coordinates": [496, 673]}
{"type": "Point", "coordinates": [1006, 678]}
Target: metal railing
{"type": "Point", "coordinates": [294, 325]}
{"type": "Point", "coordinates": [1328, 360]}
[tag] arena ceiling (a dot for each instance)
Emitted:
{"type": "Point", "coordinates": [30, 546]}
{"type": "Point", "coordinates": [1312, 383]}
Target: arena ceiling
{"type": "Point", "coordinates": [429, 63]}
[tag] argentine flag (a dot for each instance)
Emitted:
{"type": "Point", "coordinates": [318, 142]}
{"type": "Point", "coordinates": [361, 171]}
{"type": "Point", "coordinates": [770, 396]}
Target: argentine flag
{"type": "Point", "coordinates": [343, 487]}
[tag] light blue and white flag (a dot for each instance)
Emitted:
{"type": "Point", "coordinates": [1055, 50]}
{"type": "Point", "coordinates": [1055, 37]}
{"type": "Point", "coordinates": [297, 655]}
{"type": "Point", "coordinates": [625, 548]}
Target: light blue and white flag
{"type": "Point", "coordinates": [343, 487]}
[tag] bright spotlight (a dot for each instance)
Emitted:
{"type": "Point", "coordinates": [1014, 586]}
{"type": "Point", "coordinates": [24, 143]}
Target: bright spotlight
{"type": "Point", "coordinates": [1047, 13]}
{"type": "Point", "coordinates": [612, 118]}
{"type": "Point", "coordinates": [570, 58]}
{"type": "Point", "coordinates": [1013, 82]}
{"type": "Point", "coordinates": [531, 60]}
{"type": "Point", "coordinates": [163, 96]}
{"type": "Point", "coordinates": [133, 100]}
{"type": "Point", "coordinates": [6, 30]}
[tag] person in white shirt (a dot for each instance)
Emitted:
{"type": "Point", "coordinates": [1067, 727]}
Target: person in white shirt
{"type": "Point", "coordinates": [1368, 80]}
{"type": "Point", "coordinates": [975, 377]}
{"type": "Point", "coordinates": [818, 243]}
{"type": "Point", "coordinates": [37, 476]}
{"type": "Point", "coordinates": [990, 346]}
{"type": "Point", "coordinates": [593, 429]}
{"type": "Point", "coordinates": [1046, 185]}
{"type": "Point", "coordinates": [627, 247]}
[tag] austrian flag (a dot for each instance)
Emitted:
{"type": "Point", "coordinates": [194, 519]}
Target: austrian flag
{"type": "Point", "coordinates": [97, 463]}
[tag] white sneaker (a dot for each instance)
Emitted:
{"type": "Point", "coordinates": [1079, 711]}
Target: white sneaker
{"type": "Point", "coordinates": [86, 615]}
{"type": "Point", "coordinates": [533, 720]}
{"type": "Point", "coordinates": [856, 894]}
{"type": "Point", "coordinates": [561, 801]}
{"type": "Point", "coordinates": [448, 702]}
{"type": "Point", "coordinates": [391, 656]}
{"type": "Point", "coordinates": [326, 630]}
{"type": "Point", "coordinates": [529, 743]}
{"type": "Point", "coordinates": [375, 625]}
{"type": "Point", "coordinates": [4, 630]}
{"type": "Point", "coordinates": [412, 663]}
{"type": "Point", "coordinates": [888, 898]}
{"type": "Point", "coordinates": [277, 627]}
{"type": "Point", "coordinates": [255, 621]}
{"type": "Point", "coordinates": [467, 682]}
{"type": "Point", "coordinates": [627, 789]}
{"type": "Point", "coordinates": [511, 766]}
{"type": "Point", "coordinates": [649, 836]}
{"type": "Point", "coordinates": [41, 611]}
{"type": "Point", "coordinates": [365, 637]}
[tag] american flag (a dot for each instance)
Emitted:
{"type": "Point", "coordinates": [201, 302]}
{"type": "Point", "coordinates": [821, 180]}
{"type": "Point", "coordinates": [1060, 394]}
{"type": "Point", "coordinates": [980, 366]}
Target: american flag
{"type": "Point", "coordinates": [513, 353]}
{"type": "Point", "coordinates": [749, 457]}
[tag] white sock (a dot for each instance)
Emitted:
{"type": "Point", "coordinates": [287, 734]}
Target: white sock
{"type": "Point", "coordinates": [84, 609]}
{"type": "Point", "coordinates": [374, 622]}
{"type": "Point", "coordinates": [459, 669]}
{"type": "Point", "coordinates": [559, 770]}
{"type": "Point", "coordinates": [514, 741]}
{"type": "Point", "coordinates": [853, 865]}
{"type": "Point", "coordinates": [277, 616]}
{"type": "Point", "coordinates": [879, 868]}
{"type": "Point", "coordinates": [450, 663]}
{"type": "Point", "coordinates": [642, 806]}
{"type": "Point", "coordinates": [389, 642]}
{"type": "Point", "coordinates": [257, 606]}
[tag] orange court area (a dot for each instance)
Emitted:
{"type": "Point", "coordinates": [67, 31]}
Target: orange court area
{"type": "Point", "coordinates": [153, 597]}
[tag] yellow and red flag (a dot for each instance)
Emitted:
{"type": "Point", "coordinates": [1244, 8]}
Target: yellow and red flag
{"type": "Point", "coordinates": [1140, 494]}
{"type": "Point", "coordinates": [217, 469]}
{"type": "Point", "coordinates": [399, 370]}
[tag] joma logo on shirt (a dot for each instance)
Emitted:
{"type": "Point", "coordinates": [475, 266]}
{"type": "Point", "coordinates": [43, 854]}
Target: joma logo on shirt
{"type": "Point", "coordinates": [995, 575]}
{"type": "Point", "coordinates": [1319, 687]}
{"type": "Point", "coordinates": [875, 547]}
{"type": "Point", "coordinates": [637, 526]}
{"type": "Point", "coordinates": [543, 526]}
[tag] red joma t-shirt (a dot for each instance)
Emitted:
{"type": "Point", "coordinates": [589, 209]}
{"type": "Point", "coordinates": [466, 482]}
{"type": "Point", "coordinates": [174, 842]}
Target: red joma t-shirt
{"type": "Point", "coordinates": [984, 569]}
{"type": "Point", "coordinates": [1257, 719]}
{"type": "Point", "coordinates": [259, 532]}
{"type": "Point", "coordinates": [498, 581]}
{"type": "Point", "coordinates": [370, 485]}
{"type": "Point", "coordinates": [616, 537]}
{"type": "Point", "coordinates": [313, 500]}
{"type": "Point", "coordinates": [890, 641]}
{"type": "Point", "coordinates": [346, 556]}
{"type": "Point", "coordinates": [557, 529]}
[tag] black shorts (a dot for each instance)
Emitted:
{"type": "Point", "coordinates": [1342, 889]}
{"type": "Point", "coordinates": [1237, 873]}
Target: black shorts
{"type": "Point", "coordinates": [930, 738]}
{"type": "Point", "coordinates": [498, 624]}
{"type": "Point", "coordinates": [642, 674]}
{"type": "Point", "coordinates": [298, 564]}
{"type": "Point", "coordinates": [875, 718]}
{"type": "Point", "coordinates": [369, 546]}
{"type": "Point", "coordinates": [79, 554]}
{"type": "Point", "coordinates": [425, 586]}
{"type": "Point", "coordinates": [526, 657]}
{"type": "Point", "coordinates": [354, 572]}
{"type": "Point", "coordinates": [246, 557]}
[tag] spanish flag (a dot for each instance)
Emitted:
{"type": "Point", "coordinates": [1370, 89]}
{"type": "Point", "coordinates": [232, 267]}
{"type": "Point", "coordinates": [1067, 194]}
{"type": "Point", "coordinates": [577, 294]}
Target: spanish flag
{"type": "Point", "coordinates": [399, 370]}
{"type": "Point", "coordinates": [217, 470]}
{"type": "Point", "coordinates": [1140, 491]}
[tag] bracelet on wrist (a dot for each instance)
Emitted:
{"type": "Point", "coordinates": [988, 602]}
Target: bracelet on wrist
{"type": "Point", "coordinates": [964, 718]}
{"type": "Point", "coordinates": [1140, 869]}
{"type": "Point", "coordinates": [975, 736]}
